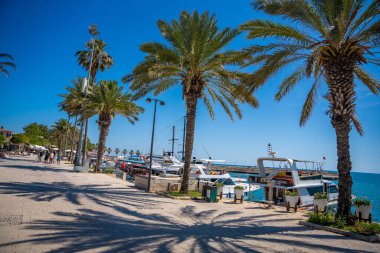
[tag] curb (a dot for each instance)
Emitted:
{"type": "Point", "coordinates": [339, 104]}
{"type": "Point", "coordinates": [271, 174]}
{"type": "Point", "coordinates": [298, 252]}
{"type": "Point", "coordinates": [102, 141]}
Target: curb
{"type": "Point", "coordinates": [174, 197]}
{"type": "Point", "coordinates": [367, 238]}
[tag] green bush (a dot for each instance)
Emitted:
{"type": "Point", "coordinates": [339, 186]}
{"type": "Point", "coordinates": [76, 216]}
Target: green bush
{"type": "Point", "coordinates": [108, 171]}
{"type": "Point", "coordinates": [238, 187]}
{"type": "Point", "coordinates": [365, 228]}
{"type": "Point", "coordinates": [321, 218]}
{"type": "Point", "coordinates": [217, 184]}
{"type": "Point", "coordinates": [289, 193]}
{"type": "Point", "coordinates": [320, 195]}
{"type": "Point", "coordinates": [190, 194]}
{"type": "Point", "coordinates": [359, 201]}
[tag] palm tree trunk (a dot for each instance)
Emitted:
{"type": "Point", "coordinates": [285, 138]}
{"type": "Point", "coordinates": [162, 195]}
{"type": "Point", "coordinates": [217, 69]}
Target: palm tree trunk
{"type": "Point", "coordinates": [73, 138]}
{"type": "Point", "coordinates": [191, 107]}
{"type": "Point", "coordinates": [342, 130]}
{"type": "Point", "coordinates": [84, 157]}
{"type": "Point", "coordinates": [340, 79]}
{"type": "Point", "coordinates": [104, 126]}
{"type": "Point", "coordinates": [66, 133]}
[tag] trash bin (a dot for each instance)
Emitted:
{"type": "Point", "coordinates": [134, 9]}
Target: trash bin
{"type": "Point", "coordinates": [211, 193]}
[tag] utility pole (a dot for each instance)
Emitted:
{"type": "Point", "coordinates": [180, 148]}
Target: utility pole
{"type": "Point", "coordinates": [183, 138]}
{"type": "Point", "coordinates": [173, 140]}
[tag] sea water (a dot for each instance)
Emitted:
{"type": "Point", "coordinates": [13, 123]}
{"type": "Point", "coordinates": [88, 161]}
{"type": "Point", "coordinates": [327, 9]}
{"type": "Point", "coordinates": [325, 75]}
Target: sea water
{"type": "Point", "coordinates": [364, 185]}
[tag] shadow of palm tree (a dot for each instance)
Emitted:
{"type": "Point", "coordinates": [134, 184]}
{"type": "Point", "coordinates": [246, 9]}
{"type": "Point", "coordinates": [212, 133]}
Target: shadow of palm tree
{"type": "Point", "coordinates": [133, 231]}
{"type": "Point", "coordinates": [102, 194]}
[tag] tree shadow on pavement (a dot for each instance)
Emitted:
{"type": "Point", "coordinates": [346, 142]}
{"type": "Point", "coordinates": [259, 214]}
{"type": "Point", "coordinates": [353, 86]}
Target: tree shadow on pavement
{"type": "Point", "coordinates": [134, 231]}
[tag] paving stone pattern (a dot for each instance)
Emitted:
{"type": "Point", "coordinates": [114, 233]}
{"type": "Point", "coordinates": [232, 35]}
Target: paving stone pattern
{"type": "Point", "coordinates": [50, 208]}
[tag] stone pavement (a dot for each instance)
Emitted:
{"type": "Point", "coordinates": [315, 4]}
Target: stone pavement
{"type": "Point", "coordinates": [49, 208]}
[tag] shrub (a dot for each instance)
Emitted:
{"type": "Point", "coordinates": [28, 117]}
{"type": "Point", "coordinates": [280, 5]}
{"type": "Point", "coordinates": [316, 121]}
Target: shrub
{"type": "Point", "coordinates": [108, 171]}
{"type": "Point", "coordinates": [238, 187]}
{"type": "Point", "coordinates": [365, 228]}
{"type": "Point", "coordinates": [289, 193]}
{"type": "Point", "coordinates": [359, 201]}
{"type": "Point", "coordinates": [320, 195]}
{"type": "Point", "coordinates": [321, 218]}
{"type": "Point", "coordinates": [217, 184]}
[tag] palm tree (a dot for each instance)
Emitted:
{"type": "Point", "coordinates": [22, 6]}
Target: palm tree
{"type": "Point", "coordinates": [109, 150]}
{"type": "Point", "coordinates": [117, 151]}
{"type": "Point", "coordinates": [131, 152]}
{"type": "Point", "coordinates": [95, 50]}
{"type": "Point", "coordinates": [4, 64]}
{"type": "Point", "coordinates": [101, 59]}
{"type": "Point", "coordinates": [125, 151]}
{"type": "Point", "coordinates": [72, 103]}
{"type": "Point", "coordinates": [330, 40]}
{"type": "Point", "coordinates": [138, 152]}
{"type": "Point", "coordinates": [196, 59]}
{"type": "Point", "coordinates": [107, 100]}
{"type": "Point", "coordinates": [60, 128]}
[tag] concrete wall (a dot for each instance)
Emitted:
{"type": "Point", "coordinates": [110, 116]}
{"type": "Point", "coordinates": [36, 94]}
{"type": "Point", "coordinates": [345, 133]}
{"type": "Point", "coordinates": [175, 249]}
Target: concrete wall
{"type": "Point", "coordinates": [160, 184]}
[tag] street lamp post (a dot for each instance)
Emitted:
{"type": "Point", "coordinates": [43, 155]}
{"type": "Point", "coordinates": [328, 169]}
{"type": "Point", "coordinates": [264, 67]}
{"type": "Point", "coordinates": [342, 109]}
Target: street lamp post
{"type": "Point", "coordinates": [152, 140]}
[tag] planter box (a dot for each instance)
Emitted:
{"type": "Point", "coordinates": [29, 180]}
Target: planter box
{"type": "Point", "coordinates": [239, 193]}
{"type": "Point", "coordinates": [292, 200]}
{"type": "Point", "coordinates": [320, 204]}
{"type": "Point", "coordinates": [364, 210]}
{"type": "Point", "coordinates": [219, 192]}
{"type": "Point", "coordinates": [367, 238]}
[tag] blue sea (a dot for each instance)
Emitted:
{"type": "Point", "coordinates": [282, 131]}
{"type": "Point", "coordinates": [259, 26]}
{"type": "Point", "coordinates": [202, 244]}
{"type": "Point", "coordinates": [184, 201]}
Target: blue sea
{"type": "Point", "coordinates": [364, 185]}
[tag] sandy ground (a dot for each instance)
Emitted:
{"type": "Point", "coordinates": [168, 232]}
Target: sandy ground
{"type": "Point", "coordinates": [50, 208]}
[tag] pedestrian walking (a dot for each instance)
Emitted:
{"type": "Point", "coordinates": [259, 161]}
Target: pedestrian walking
{"type": "Point", "coordinates": [47, 154]}
{"type": "Point", "coordinates": [59, 157]}
{"type": "Point", "coordinates": [51, 158]}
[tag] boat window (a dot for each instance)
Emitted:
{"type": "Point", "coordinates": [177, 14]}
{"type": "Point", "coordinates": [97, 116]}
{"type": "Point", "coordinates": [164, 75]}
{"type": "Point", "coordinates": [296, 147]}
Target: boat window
{"type": "Point", "coordinates": [228, 181]}
{"type": "Point", "coordinates": [315, 189]}
{"type": "Point", "coordinates": [333, 189]}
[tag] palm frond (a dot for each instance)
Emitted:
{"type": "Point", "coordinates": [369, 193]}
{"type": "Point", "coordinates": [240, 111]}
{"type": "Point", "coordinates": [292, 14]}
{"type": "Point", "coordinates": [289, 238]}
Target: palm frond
{"type": "Point", "coordinates": [289, 83]}
{"type": "Point", "coordinates": [367, 80]}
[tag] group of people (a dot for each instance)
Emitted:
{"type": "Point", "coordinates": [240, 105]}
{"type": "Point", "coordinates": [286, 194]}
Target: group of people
{"type": "Point", "coordinates": [49, 157]}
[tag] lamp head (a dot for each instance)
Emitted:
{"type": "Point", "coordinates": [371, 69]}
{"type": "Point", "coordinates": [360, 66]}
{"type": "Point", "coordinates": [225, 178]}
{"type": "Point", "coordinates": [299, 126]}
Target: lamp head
{"type": "Point", "coordinates": [162, 103]}
{"type": "Point", "coordinates": [93, 30]}
{"type": "Point", "coordinates": [148, 100]}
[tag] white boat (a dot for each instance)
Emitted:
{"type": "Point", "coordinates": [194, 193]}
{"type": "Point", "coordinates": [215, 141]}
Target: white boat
{"type": "Point", "coordinates": [206, 174]}
{"type": "Point", "coordinates": [304, 177]}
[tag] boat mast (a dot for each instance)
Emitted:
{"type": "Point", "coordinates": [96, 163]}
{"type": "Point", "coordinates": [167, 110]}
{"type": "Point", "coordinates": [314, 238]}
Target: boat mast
{"type": "Point", "coordinates": [173, 140]}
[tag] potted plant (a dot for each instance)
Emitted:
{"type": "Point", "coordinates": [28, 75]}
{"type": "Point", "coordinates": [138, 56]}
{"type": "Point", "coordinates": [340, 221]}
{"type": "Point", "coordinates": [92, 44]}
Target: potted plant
{"type": "Point", "coordinates": [363, 208]}
{"type": "Point", "coordinates": [291, 199]}
{"type": "Point", "coordinates": [239, 193]}
{"type": "Point", "coordinates": [320, 201]}
{"type": "Point", "coordinates": [219, 190]}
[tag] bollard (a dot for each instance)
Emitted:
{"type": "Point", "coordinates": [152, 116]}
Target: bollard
{"type": "Point", "coordinates": [124, 176]}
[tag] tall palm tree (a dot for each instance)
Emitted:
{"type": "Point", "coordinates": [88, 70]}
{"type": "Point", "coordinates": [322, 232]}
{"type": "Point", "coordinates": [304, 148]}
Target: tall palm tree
{"type": "Point", "coordinates": [93, 59]}
{"type": "Point", "coordinates": [60, 128]}
{"type": "Point", "coordinates": [109, 150]}
{"type": "Point", "coordinates": [195, 58]}
{"type": "Point", "coordinates": [125, 151]}
{"type": "Point", "coordinates": [107, 100]}
{"type": "Point", "coordinates": [330, 40]}
{"type": "Point", "coordinates": [131, 152]}
{"type": "Point", "coordinates": [6, 63]}
{"type": "Point", "coordinates": [117, 151]}
{"type": "Point", "coordinates": [138, 152]}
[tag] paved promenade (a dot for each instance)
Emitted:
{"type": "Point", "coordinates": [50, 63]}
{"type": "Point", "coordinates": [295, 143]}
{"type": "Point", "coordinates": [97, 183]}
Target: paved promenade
{"type": "Point", "coordinates": [49, 208]}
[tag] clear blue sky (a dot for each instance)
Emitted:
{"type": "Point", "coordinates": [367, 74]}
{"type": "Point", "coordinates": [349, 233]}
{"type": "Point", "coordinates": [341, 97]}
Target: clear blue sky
{"type": "Point", "coordinates": [43, 37]}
